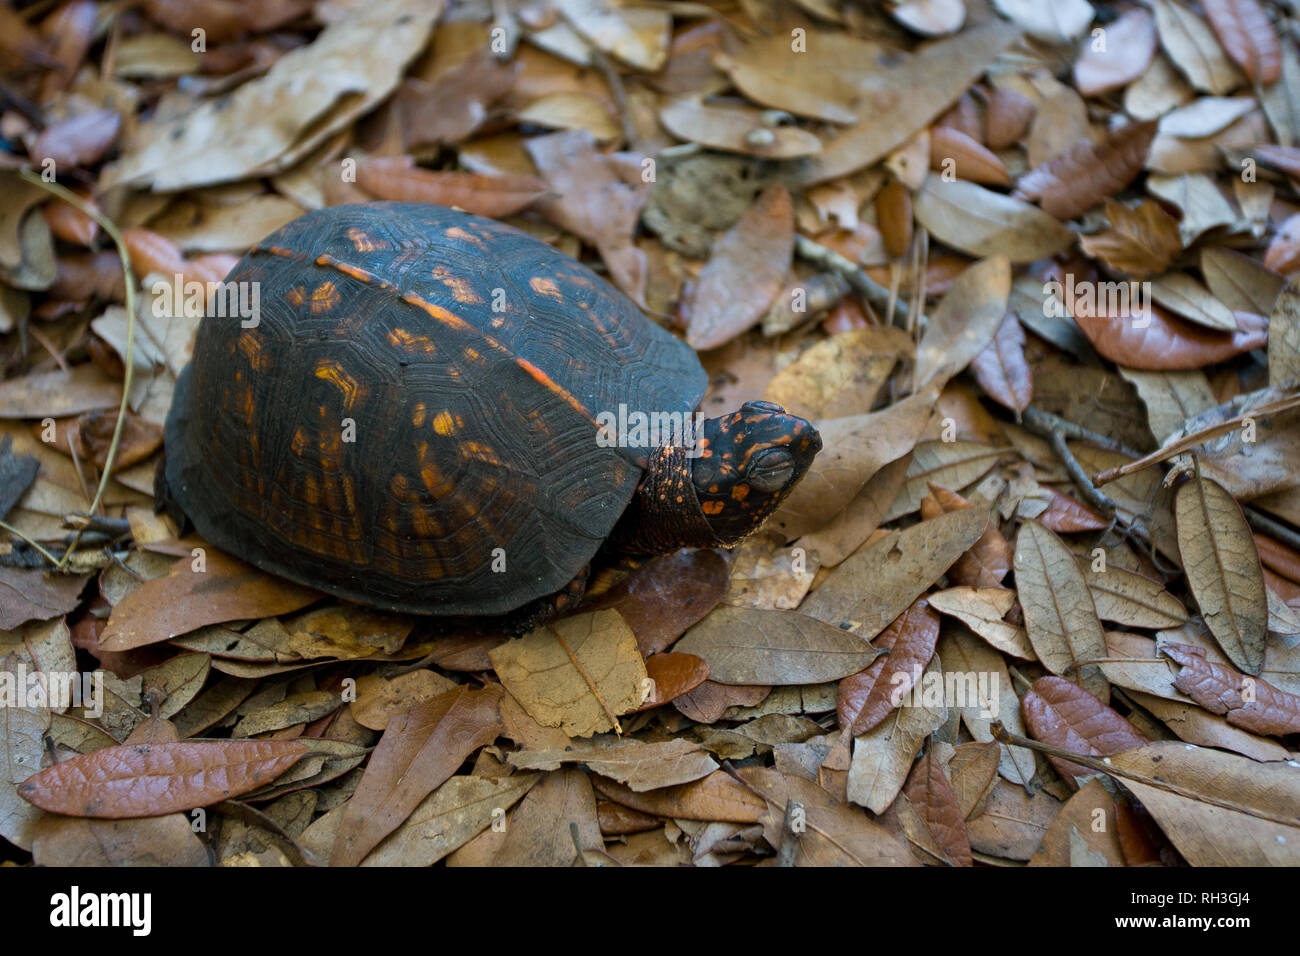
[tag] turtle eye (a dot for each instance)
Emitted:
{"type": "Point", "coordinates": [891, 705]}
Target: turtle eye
{"type": "Point", "coordinates": [770, 470]}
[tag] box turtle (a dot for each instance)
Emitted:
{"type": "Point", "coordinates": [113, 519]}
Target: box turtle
{"type": "Point", "coordinates": [436, 413]}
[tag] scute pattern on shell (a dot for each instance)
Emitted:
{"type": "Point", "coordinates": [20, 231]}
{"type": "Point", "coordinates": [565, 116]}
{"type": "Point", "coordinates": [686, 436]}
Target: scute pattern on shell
{"type": "Point", "coordinates": [474, 426]}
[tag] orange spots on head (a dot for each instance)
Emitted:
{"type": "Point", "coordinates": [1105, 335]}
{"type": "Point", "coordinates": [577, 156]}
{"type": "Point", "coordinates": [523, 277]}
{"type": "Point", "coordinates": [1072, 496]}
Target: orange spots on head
{"type": "Point", "coordinates": [333, 373]}
{"type": "Point", "coordinates": [444, 424]}
{"type": "Point", "coordinates": [324, 298]}
{"type": "Point", "coordinates": [740, 492]}
{"type": "Point", "coordinates": [711, 507]}
{"type": "Point", "coordinates": [547, 287]}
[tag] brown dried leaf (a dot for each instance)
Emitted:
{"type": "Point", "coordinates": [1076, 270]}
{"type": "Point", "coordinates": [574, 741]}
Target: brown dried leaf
{"type": "Point", "coordinates": [576, 673]}
{"type": "Point", "coordinates": [1070, 184]}
{"type": "Point", "coordinates": [1247, 36]}
{"type": "Point", "coordinates": [397, 179]}
{"type": "Point", "coordinates": [1084, 833]}
{"type": "Point", "coordinates": [1191, 45]}
{"type": "Point", "coordinates": [121, 782]}
{"type": "Point", "coordinates": [1157, 340]}
{"type": "Point", "coordinates": [1197, 795]}
{"type": "Point", "coordinates": [1248, 702]}
{"type": "Point", "coordinates": [673, 675]}
{"type": "Point", "coordinates": [981, 222]}
{"type": "Point", "coordinates": [863, 700]}
{"type": "Point", "coordinates": [1141, 241]}
{"type": "Point", "coordinates": [1129, 48]}
{"type": "Point", "coordinates": [745, 271]}
{"type": "Point", "coordinates": [636, 764]}
{"type": "Point", "coordinates": [870, 589]}
{"type": "Point", "coordinates": [82, 140]}
{"type": "Point", "coordinates": [186, 599]}
{"type": "Point", "coordinates": [1001, 368]}
{"type": "Point", "coordinates": [417, 752]}
{"type": "Point", "coordinates": [750, 646]}
{"type": "Point", "coordinates": [988, 560]}
{"type": "Point", "coordinates": [665, 596]}
{"type": "Point", "coordinates": [932, 796]}
{"type": "Point", "coordinates": [969, 159]}
{"type": "Point", "coordinates": [1065, 715]}
{"type": "Point", "coordinates": [1223, 570]}
{"type": "Point", "coordinates": [1059, 611]}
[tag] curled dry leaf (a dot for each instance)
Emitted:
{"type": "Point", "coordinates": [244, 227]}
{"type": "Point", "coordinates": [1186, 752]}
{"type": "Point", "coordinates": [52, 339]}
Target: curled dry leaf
{"type": "Point", "coordinates": [983, 610]}
{"type": "Point", "coordinates": [1071, 183]}
{"type": "Point", "coordinates": [1248, 702]}
{"type": "Point", "coordinates": [744, 273]}
{"type": "Point", "coordinates": [1223, 570]}
{"type": "Point", "coordinates": [1008, 114]}
{"type": "Point", "coordinates": [151, 780]}
{"type": "Point", "coordinates": [954, 151]}
{"type": "Point", "coordinates": [1065, 715]}
{"type": "Point", "coordinates": [483, 195]}
{"type": "Point", "coordinates": [1141, 240]}
{"type": "Point", "coordinates": [673, 675]}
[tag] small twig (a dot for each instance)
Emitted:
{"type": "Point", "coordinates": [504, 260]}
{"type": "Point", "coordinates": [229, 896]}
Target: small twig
{"type": "Point", "coordinates": [128, 275]}
{"type": "Point", "coordinates": [591, 684]}
{"type": "Point", "coordinates": [894, 313]}
{"type": "Point", "coordinates": [30, 543]}
{"type": "Point", "coordinates": [1041, 422]}
{"type": "Point", "coordinates": [1274, 529]}
{"type": "Point", "coordinates": [615, 83]}
{"type": "Point", "coordinates": [1002, 735]}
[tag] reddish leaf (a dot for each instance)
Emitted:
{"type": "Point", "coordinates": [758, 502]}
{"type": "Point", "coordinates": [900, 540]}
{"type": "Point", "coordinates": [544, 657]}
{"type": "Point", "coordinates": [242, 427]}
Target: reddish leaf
{"type": "Point", "coordinates": [80, 141]}
{"type": "Point", "coordinates": [932, 795]}
{"type": "Point", "coordinates": [1067, 716]}
{"type": "Point", "coordinates": [185, 599]}
{"type": "Point", "coordinates": [395, 178]}
{"type": "Point", "coordinates": [1066, 515]}
{"type": "Point", "coordinates": [149, 780]}
{"type": "Point", "coordinates": [1278, 557]}
{"type": "Point", "coordinates": [988, 560]}
{"type": "Point", "coordinates": [1070, 184]}
{"type": "Point", "coordinates": [1248, 702]}
{"type": "Point", "coordinates": [1247, 36]}
{"type": "Point", "coordinates": [1001, 368]}
{"type": "Point", "coordinates": [673, 675]}
{"type": "Point", "coordinates": [1168, 343]}
{"type": "Point", "coordinates": [707, 703]}
{"type": "Point", "coordinates": [744, 273]}
{"type": "Point", "coordinates": [970, 160]}
{"type": "Point", "coordinates": [665, 596]}
{"type": "Point", "coordinates": [419, 750]}
{"type": "Point", "coordinates": [865, 699]}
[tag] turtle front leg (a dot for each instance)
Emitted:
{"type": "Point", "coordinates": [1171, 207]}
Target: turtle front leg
{"type": "Point", "coordinates": [536, 613]}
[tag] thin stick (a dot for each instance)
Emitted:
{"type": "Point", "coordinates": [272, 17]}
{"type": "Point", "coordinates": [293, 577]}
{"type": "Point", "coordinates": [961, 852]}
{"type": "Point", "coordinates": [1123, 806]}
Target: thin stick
{"type": "Point", "coordinates": [893, 313]}
{"type": "Point", "coordinates": [128, 275]}
{"type": "Point", "coordinates": [34, 544]}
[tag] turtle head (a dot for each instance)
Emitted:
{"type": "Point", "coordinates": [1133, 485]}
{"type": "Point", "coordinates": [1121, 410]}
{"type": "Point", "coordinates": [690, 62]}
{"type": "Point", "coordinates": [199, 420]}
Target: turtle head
{"type": "Point", "coordinates": [746, 463]}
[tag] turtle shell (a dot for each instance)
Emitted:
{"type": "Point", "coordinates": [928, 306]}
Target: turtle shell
{"type": "Point", "coordinates": [412, 421]}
